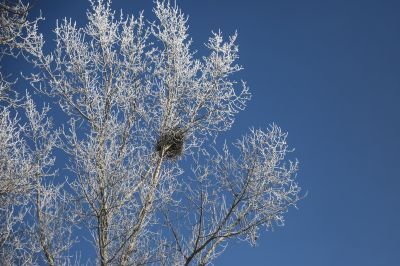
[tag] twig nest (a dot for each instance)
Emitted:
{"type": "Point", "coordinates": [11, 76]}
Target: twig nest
{"type": "Point", "coordinates": [171, 141]}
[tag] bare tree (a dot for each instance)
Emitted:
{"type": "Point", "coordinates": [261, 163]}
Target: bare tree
{"type": "Point", "coordinates": [15, 167]}
{"type": "Point", "coordinates": [147, 178]}
{"type": "Point", "coordinates": [13, 20]}
{"type": "Point", "coordinates": [15, 32]}
{"type": "Point", "coordinates": [35, 214]}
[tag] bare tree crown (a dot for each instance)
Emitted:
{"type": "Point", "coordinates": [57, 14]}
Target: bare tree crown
{"type": "Point", "coordinates": [144, 176]}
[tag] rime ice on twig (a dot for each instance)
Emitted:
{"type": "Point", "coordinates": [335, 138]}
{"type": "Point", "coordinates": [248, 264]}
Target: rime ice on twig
{"type": "Point", "coordinates": [137, 100]}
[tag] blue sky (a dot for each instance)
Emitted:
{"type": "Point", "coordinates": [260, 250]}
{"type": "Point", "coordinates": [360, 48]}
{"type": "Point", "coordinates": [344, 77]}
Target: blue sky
{"type": "Point", "coordinates": [328, 72]}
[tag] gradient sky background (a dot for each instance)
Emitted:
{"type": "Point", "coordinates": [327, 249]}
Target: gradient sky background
{"type": "Point", "coordinates": [328, 72]}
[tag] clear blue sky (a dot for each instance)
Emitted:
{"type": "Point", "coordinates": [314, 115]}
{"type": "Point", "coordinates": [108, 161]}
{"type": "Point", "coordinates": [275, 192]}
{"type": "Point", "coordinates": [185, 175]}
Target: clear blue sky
{"type": "Point", "coordinates": [328, 72]}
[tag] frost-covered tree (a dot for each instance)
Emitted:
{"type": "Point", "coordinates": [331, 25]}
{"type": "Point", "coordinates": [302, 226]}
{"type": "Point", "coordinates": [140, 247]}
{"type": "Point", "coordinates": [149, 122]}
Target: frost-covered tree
{"type": "Point", "coordinates": [13, 20]}
{"type": "Point", "coordinates": [15, 32]}
{"type": "Point", "coordinates": [15, 167]}
{"type": "Point", "coordinates": [35, 214]}
{"type": "Point", "coordinates": [147, 178]}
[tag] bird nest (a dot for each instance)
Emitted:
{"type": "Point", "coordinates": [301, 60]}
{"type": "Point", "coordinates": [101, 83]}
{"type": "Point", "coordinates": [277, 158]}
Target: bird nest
{"type": "Point", "coordinates": [171, 143]}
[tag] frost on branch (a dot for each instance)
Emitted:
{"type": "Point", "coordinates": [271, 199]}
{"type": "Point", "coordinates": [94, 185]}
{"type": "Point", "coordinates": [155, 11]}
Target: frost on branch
{"type": "Point", "coordinates": [35, 214]}
{"type": "Point", "coordinates": [233, 195]}
{"type": "Point", "coordinates": [142, 114]}
{"type": "Point", "coordinates": [13, 19]}
{"type": "Point", "coordinates": [16, 34]}
{"type": "Point", "coordinates": [14, 158]}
